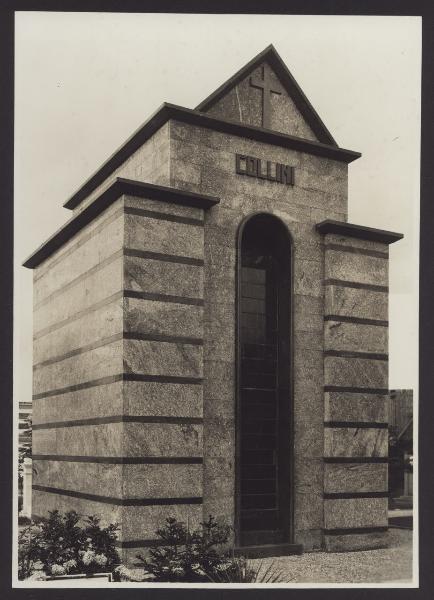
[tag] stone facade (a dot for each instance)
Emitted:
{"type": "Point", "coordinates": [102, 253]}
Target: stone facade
{"type": "Point", "coordinates": [135, 381]}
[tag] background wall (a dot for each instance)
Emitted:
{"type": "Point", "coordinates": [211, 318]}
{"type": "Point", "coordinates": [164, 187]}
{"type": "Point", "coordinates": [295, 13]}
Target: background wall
{"type": "Point", "coordinates": [84, 82]}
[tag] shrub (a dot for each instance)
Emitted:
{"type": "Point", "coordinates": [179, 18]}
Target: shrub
{"type": "Point", "coordinates": [101, 541]}
{"type": "Point", "coordinates": [184, 555]}
{"type": "Point", "coordinates": [241, 570]}
{"type": "Point", "coordinates": [122, 573]}
{"type": "Point", "coordinates": [65, 548]}
{"type": "Point", "coordinates": [28, 550]}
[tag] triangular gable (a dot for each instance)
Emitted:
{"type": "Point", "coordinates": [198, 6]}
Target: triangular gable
{"type": "Point", "coordinates": [265, 94]}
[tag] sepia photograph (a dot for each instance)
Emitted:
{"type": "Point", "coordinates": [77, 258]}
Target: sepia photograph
{"type": "Point", "coordinates": [216, 290]}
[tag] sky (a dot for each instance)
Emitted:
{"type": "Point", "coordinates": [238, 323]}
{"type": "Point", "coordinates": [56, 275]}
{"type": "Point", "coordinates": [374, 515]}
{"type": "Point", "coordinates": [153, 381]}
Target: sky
{"type": "Point", "coordinates": [85, 81]}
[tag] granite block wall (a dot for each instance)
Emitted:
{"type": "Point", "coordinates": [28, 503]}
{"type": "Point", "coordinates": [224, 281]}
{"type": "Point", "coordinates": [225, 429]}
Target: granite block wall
{"type": "Point", "coordinates": [356, 387]}
{"type": "Point", "coordinates": [134, 376]}
{"type": "Point", "coordinates": [149, 163]}
{"type": "Point", "coordinates": [203, 161]}
{"type": "Point", "coordinates": [163, 365]}
{"type": "Point", "coordinates": [77, 381]}
{"type": "Point", "coordinates": [118, 371]}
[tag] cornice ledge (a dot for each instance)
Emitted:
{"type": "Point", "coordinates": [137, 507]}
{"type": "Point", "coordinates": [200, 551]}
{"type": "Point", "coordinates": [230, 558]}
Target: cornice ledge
{"type": "Point", "coordinates": [118, 188]}
{"type": "Point", "coordinates": [358, 231]}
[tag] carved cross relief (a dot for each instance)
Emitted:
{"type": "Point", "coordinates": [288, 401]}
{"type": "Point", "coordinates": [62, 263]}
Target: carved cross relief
{"type": "Point", "coordinates": [268, 87]}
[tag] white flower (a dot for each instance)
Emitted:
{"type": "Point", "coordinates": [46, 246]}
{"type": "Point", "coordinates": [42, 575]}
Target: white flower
{"type": "Point", "coordinates": [70, 564]}
{"type": "Point", "coordinates": [100, 559]}
{"type": "Point", "coordinates": [123, 572]}
{"type": "Point", "coordinates": [88, 557]}
{"type": "Point", "coordinates": [36, 576]}
{"type": "Point", "coordinates": [58, 570]}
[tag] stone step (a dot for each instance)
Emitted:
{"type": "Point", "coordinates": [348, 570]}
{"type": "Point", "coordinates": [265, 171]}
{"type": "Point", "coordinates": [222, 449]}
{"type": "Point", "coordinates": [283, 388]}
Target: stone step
{"type": "Point", "coordinates": [261, 537]}
{"type": "Point", "coordinates": [403, 502]}
{"type": "Point", "coordinates": [400, 512]}
{"type": "Point", "coordinates": [402, 522]}
{"type": "Point", "coordinates": [266, 550]}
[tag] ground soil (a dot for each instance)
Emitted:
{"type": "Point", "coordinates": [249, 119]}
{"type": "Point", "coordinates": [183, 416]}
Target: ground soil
{"type": "Point", "coordinates": [371, 566]}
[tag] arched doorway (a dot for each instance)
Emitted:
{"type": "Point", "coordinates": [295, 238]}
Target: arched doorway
{"type": "Point", "coordinates": [264, 382]}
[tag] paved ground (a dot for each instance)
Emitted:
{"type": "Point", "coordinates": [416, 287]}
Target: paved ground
{"type": "Point", "coordinates": [373, 566]}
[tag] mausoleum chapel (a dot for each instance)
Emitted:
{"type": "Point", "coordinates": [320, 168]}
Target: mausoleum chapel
{"type": "Point", "coordinates": [211, 333]}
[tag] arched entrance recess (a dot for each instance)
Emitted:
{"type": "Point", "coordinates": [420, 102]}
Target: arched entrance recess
{"type": "Point", "coordinates": [264, 382]}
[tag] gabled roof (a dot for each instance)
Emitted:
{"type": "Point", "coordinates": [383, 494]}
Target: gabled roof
{"type": "Point", "coordinates": [326, 146]}
{"type": "Point", "coordinates": [271, 56]}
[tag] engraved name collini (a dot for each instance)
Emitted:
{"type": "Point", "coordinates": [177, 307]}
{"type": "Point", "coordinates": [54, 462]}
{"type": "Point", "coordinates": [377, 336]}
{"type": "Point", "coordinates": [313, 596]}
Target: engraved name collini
{"type": "Point", "coordinates": [264, 169]}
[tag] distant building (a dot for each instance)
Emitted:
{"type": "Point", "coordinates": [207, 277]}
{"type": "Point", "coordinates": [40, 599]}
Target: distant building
{"type": "Point", "coordinates": [401, 448]}
{"type": "Point", "coordinates": [25, 432]}
{"type": "Point", "coordinates": [24, 442]}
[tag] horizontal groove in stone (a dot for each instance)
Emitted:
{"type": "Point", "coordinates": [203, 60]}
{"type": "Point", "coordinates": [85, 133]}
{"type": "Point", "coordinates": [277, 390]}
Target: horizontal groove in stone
{"type": "Point", "coordinates": [172, 258]}
{"type": "Point", "coordinates": [123, 460]}
{"type": "Point", "coordinates": [356, 390]}
{"type": "Point", "coordinates": [156, 337]}
{"type": "Point", "coordinates": [104, 263]}
{"type": "Point", "coordinates": [354, 530]}
{"type": "Point", "coordinates": [78, 315]}
{"type": "Point", "coordinates": [351, 354]}
{"type": "Point", "coordinates": [139, 543]}
{"type": "Point", "coordinates": [79, 386]}
{"type": "Point", "coordinates": [113, 298]}
{"type": "Point", "coordinates": [357, 320]}
{"type": "Point", "coordinates": [119, 501]}
{"type": "Point", "coordinates": [163, 298]}
{"type": "Point", "coordinates": [80, 242]}
{"type": "Point", "coordinates": [126, 335]}
{"type": "Point", "coordinates": [162, 378]}
{"type": "Point", "coordinates": [120, 419]}
{"type": "Point", "coordinates": [152, 214]}
{"type": "Point", "coordinates": [118, 377]}
{"type": "Point", "coordinates": [355, 250]}
{"type": "Point", "coordinates": [77, 351]}
{"type": "Point", "coordinates": [344, 460]}
{"type": "Point", "coordinates": [351, 495]}
{"type": "Point", "coordinates": [357, 286]}
{"type": "Point", "coordinates": [356, 424]}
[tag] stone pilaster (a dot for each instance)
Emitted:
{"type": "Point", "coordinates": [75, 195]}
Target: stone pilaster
{"type": "Point", "coordinates": [355, 387]}
{"type": "Point", "coordinates": [163, 364]}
